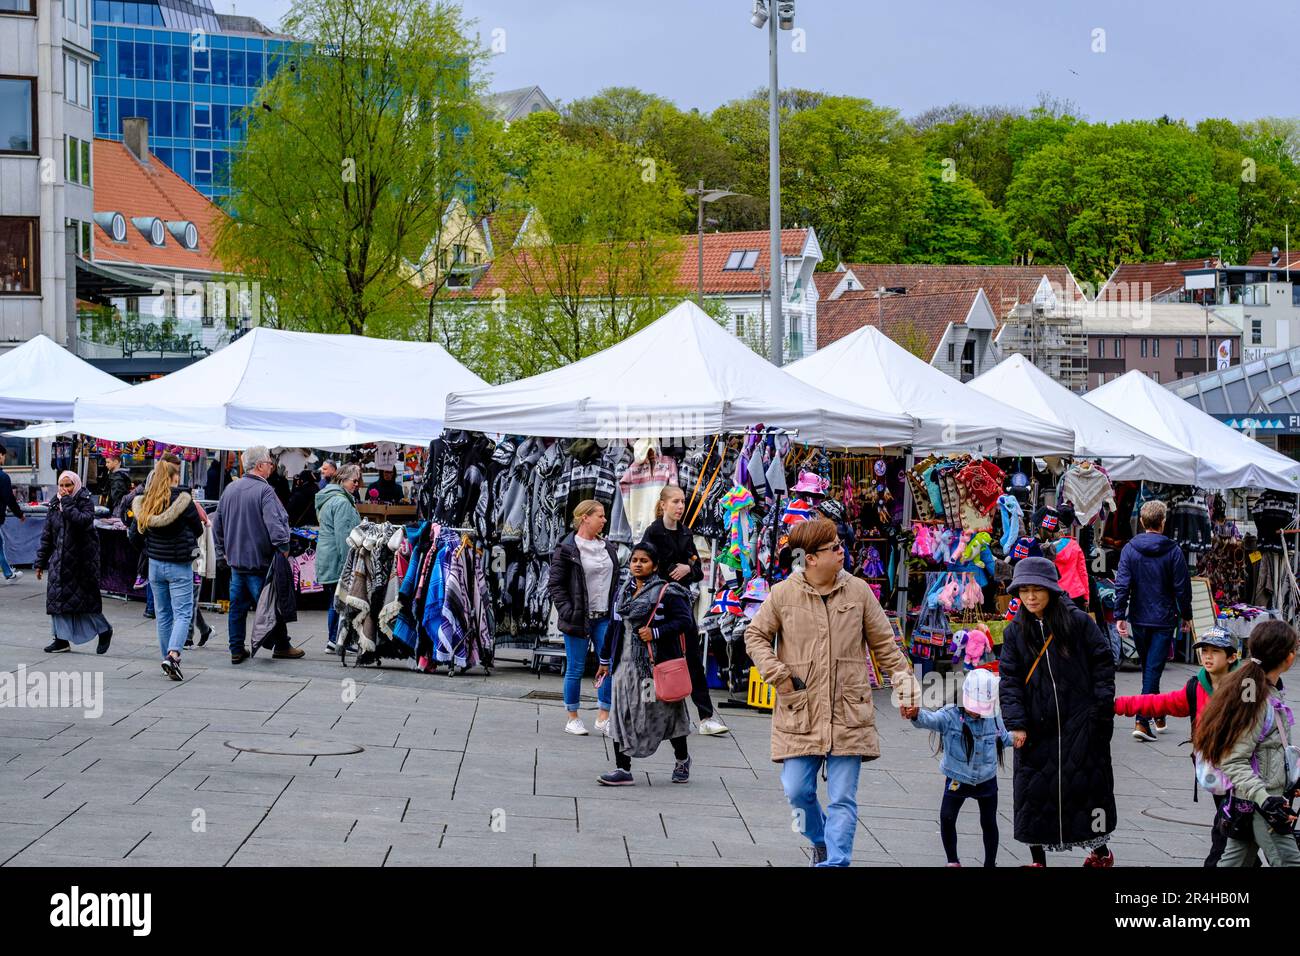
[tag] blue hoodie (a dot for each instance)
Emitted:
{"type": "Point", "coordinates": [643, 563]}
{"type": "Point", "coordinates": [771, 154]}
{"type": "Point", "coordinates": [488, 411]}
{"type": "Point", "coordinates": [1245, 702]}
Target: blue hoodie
{"type": "Point", "coordinates": [987, 731]}
{"type": "Point", "coordinates": [1152, 585]}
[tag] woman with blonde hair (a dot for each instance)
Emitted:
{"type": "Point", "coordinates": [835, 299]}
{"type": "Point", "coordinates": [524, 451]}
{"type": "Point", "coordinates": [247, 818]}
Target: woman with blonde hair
{"type": "Point", "coordinates": [679, 561]}
{"type": "Point", "coordinates": [582, 581]}
{"type": "Point", "coordinates": [166, 528]}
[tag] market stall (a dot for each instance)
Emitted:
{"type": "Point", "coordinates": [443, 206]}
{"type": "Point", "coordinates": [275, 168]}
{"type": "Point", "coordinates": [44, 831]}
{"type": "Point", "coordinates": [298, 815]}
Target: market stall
{"type": "Point", "coordinates": [41, 381]}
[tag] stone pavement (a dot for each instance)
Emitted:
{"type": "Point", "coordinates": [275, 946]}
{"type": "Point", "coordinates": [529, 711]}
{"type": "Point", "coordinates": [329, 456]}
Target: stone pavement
{"type": "Point", "coordinates": [464, 770]}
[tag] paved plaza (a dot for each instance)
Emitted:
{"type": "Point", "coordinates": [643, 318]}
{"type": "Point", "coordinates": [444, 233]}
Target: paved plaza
{"type": "Point", "coordinates": [470, 770]}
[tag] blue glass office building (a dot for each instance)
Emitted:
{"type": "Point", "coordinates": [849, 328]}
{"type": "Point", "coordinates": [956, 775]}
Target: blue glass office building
{"type": "Point", "coordinates": [188, 71]}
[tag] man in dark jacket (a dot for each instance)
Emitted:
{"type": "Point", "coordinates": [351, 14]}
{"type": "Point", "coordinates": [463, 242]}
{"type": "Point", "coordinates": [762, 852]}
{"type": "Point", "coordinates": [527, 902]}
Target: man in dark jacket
{"type": "Point", "coordinates": [1153, 593]}
{"type": "Point", "coordinates": [249, 527]}
{"type": "Point", "coordinates": [7, 503]}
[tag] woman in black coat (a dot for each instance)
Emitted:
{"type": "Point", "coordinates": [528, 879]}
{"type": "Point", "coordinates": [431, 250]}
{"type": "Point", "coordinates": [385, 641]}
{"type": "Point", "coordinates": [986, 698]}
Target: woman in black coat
{"type": "Point", "coordinates": [70, 552]}
{"type": "Point", "coordinates": [1058, 700]}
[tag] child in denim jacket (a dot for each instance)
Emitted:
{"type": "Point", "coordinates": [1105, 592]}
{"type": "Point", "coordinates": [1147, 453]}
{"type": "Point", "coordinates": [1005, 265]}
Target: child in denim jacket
{"type": "Point", "coordinates": [971, 738]}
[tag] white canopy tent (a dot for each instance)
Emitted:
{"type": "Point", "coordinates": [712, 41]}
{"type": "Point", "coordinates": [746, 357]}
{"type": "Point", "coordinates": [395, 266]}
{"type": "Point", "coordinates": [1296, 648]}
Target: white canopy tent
{"type": "Point", "coordinates": [285, 388]}
{"type": "Point", "coordinates": [1225, 457]}
{"type": "Point", "coordinates": [867, 367]}
{"type": "Point", "coordinates": [1127, 454]}
{"type": "Point", "coordinates": [40, 380]}
{"type": "Point", "coordinates": [683, 375]}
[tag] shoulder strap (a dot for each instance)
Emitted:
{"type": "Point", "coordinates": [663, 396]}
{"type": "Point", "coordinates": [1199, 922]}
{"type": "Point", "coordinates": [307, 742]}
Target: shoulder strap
{"type": "Point", "coordinates": [1192, 698]}
{"type": "Point", "coordinates": [1046, 645]}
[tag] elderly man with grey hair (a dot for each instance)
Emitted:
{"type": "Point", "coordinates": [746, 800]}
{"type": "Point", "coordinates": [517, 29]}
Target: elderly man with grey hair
{"type": "Point", "coordinates": [249, 527]}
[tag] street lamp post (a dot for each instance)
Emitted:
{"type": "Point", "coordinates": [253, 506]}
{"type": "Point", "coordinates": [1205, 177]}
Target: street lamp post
{"type": "Point", "coordinates": [702, 196]}
{"type": "Point", "coordinates": [783, 20]}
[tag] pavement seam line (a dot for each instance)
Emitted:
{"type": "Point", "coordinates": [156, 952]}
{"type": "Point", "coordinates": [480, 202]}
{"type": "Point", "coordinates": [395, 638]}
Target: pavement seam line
{"type": "Point", "coordinates": [5, 862]}
{"type": "Point", "coordinates": [266, 813]}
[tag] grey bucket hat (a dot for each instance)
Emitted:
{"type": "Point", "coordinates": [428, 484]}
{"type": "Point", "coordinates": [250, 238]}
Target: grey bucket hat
{"type": "Point", "coordinates": [1035, 572]}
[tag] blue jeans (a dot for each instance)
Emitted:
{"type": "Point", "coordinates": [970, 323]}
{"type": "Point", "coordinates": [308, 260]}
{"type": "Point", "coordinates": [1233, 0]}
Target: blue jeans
{"type": "Point", "coordinates": [245, 589]}
{"type": "Point", "coordinates": [575, 661]}
{"type": "Point", "coordinates": [7, 571]}
{"type": "Point", "coordinates": [173, 587]}
{"type": "Point", "coordinates": [1153, 645]}
{"type": "Point", "coordinates": [835, 827]}
{"type": "Point", "coordinates": [149, 607]}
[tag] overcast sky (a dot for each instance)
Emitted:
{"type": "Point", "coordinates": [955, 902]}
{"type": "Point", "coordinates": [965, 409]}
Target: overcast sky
{"type": "Point", "coordinates": [1190, 58]}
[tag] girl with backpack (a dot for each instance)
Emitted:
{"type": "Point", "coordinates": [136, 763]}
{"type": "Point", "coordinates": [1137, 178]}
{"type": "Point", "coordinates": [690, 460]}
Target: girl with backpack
{"type": "Point", "coordinates": [1245, 732]}
{"type": "Point", "coordinates": [971, 739]}
{"type": "Point", "coordinates": [1218, 652]}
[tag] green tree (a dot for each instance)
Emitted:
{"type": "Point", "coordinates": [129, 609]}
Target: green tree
{"type": "Point", "coordinates": [614, 112]}
{"type": "Point", "coordinates": [958, 224]}
{"type": "Point", "coordinates": [977, 140]}
{"type": "Point", "coordinates": [355, 152]}
{"type": "Point", "coordinates": [609, 267]}
{"type": "Point", "coordinates": [854, 171]}
{"type": "Point", "coordinates": [1128, 192]}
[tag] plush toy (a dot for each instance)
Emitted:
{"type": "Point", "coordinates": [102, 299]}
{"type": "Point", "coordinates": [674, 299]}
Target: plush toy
{"type": "Point", "coordinates": [972, 644]}
{"type": "Point", "coordinates": [950, 595]}
{"type": "Point", "coordinates": [974, 552]}
{"type": "Point", "coordinates": [922, 543]}
{"type": "Point", "coordinates": [972, 595]}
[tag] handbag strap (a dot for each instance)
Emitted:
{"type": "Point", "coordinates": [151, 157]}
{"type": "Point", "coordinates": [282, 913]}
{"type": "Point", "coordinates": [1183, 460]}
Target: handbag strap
{"type": "Point", "coordinates": [1046, 644]}
{"type": "Point", "coordinates": [650, 645]}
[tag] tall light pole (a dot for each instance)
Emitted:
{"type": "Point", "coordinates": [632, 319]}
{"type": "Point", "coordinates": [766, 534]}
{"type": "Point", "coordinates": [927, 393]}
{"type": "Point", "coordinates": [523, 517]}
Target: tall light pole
{"type": "Point", "coordinates": [702, 196]}
{"type": "Point", "coordinates": [783, 20]}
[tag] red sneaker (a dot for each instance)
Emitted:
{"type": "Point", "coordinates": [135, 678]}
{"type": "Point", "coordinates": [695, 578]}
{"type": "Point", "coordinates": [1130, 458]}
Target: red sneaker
{"type": "Point", "coordinates": [1094, 859]}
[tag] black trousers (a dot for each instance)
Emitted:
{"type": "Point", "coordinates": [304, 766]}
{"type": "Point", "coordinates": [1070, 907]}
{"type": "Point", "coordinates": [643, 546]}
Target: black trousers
{"type": "Point", "coordinates": [986, 795]}
{"type": "Point", "coordinates": [624, 762]}
{"type": "Point", "coordinates": [699, 683]}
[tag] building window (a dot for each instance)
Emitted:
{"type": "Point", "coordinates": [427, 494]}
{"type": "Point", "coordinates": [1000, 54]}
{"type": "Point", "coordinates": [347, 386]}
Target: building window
{"type": "Point", "coordinates": [968, 360]}
{"type": "Point", "coordinates": [77, 152]}
{"type": "Point", "coordinates": [1155, 348]}
{"type": "Point", "coordinates": [85, 247]}
{"type": "Point", "coordinates": [19, 248]}
{"type": "Point", "coordinates": [1295, 294]}
{"type": "Point", "coordinates": [1155, 376]}
{"type": "Point", "coordinates": [1119, 348]}
{"type": "Point", "coordinates": [741, 259]}
{"type": "Point", "coordinates": [952, 352]}
{"type": "Point", "coordinates": [740, 324]}
{"type": "Point", "coordinates": [76, 81]}
{"type": "Point", "coordinates": [1196, 348]}
{"type": "Point", "coordinates": [1256, 331]}
{"type": "Point", "coordinates": [1101, 349]}
{"type": "Point", "coordinates": [17, 114]}
{"type": "Point", "coordinates": [1178, 348]}
{"type": "Point", "coordinates": [203, 161]}
{"type": "Point", "coordinates": [18, 6]}
{"type": "Point", "coordinates": [202, 115]}
{"type": "Point", "coordinates": [1142, 348]}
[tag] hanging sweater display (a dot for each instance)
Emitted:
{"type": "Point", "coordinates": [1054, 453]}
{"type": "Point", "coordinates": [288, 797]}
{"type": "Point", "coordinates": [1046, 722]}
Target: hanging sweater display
{"type": "Point", "coordinates": [648, 474]}
{"type": "Point", "coordinates": [1089, 489]}
{"type": "Point", "coordinates": [466, 633]}
{"type": "Point", "coordinates": [366, 597]}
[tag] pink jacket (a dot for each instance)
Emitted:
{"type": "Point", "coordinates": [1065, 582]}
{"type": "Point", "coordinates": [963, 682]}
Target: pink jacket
{"type": "Point", "coordinates": [1072, 566]}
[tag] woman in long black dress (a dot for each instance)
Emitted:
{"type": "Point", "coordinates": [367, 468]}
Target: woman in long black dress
{"type": "Point", "coordinates": [69, 551]}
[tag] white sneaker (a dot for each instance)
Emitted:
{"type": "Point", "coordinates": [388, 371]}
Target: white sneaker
{"type": "Point", "coordinates": [331, 647]}
{"type": "Point", "coordinates": [712, 726]}
{"type": "Point", "coordinates": [576, 726]}
{"type": "Point", "coordinates": [17, 576]}
{"type": "Point", "coordinates": [602, 726]}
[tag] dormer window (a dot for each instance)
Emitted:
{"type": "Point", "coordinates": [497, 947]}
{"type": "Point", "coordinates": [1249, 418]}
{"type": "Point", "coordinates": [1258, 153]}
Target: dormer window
{"type": "Point", "coordinates": [184, 232]}
{"type": "Point", "coordinates": [151, 227]}
{"type": "Point", "coordinates": [741, 260]}
{"type": "Point", "coordinates": [113, 224]}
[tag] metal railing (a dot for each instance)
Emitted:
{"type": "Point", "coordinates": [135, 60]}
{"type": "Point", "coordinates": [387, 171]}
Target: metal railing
{"type": "Point", "coordinates": [105, 335]}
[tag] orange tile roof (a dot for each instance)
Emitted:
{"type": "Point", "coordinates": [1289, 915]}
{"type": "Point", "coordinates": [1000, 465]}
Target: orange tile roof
{"type": "Point", "coordinates": [1006, 286]}
{"type": "Point", "coordinates": [900, 317]}
{"type": "Point", "coordinates": [502, 228]}
{"type": "Point", "coordinates": [826, 283]}
{"type": "Point", "coordinates": [1265, 257]}
{"type": "Point", "coordinates": [509, 270]}
{"type": "Point", "coordinates": [126, 185]}
{"type": "Point", "coordinates": [1130, 279]}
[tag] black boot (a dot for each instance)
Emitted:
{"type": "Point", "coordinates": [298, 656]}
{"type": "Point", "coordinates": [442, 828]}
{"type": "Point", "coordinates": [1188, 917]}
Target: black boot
{"type": "Point", "coordinates": [57, 646]}
{"type": "Point", "coordinates": [104, 640]}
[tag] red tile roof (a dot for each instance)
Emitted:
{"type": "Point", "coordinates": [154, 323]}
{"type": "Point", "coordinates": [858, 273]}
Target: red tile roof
{"type": "Point", "coordinates": [503, 227]}
{"type": "Point", "coordinates": [1006, 286]}
{"type": "Point", "coordinates": [907, 319]}
{"type": "Point", "coordinates": [510, 269]}
{"type": "Point", "coordinates": [124, 184]}
{"type": "Point", "coordinates": [1265, 257]}
{"type": "Point", "coordinates": [1143, 281]}
{"type": "Point", "coordinates": [826, 283]}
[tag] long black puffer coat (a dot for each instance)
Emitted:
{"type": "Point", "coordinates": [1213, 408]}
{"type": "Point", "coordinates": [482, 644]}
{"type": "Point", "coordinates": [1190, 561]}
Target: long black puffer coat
{"type": "Point", "coordinates": [1064, 786]}
{"type": "Point", "coordinates": [69, 552]}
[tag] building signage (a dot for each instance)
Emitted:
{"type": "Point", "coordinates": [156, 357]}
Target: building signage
{"type": "Point", "coordinates": [1284, 424]}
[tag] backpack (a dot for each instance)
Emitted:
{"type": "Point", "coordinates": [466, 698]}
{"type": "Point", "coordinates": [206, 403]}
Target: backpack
{"type": "Point", "coordinates": [1213, 780]}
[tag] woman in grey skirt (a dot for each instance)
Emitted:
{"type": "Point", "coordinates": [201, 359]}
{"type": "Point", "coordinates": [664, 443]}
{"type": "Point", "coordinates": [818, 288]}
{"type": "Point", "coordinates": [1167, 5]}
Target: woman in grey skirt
{"type": "Point", "coordinates": [649, 609]}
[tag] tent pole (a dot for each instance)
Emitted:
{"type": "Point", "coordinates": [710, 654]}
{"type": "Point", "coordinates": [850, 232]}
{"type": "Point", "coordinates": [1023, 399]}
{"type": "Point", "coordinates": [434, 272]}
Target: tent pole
{"type": "Point", "coordinates": [909, 459]}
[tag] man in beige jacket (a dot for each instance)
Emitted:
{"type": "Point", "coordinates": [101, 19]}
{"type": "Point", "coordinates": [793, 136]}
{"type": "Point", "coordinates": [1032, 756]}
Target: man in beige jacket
{"type": "Point", "coordinates": [823, 620]}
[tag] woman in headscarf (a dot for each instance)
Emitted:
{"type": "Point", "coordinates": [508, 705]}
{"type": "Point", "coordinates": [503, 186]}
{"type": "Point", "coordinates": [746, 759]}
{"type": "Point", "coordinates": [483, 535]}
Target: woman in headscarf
{"type": "Point", "coordinates": [650, 610]}
{"type": "Point", "coordinates": [69, 551]}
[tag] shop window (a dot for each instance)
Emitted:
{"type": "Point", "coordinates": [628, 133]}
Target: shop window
{"type": "Point", "coordinates": [19, 248]}
{"type": "Point", "coordinates": [17, 114]}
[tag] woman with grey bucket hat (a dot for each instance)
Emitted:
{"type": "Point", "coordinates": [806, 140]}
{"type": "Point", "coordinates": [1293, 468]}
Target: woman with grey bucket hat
{"type": "Point", "coordinates": [1057, 693]}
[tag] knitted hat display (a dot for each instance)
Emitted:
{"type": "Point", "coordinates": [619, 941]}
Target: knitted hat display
{"type": "Point", "coordinates": [796, 510]}
{"type": "Point", "coordinates": [810, 484]}
{"type": "Point", "coordinates": [736, 505]}
{"type": "Point", "coordinates": [725, 601]}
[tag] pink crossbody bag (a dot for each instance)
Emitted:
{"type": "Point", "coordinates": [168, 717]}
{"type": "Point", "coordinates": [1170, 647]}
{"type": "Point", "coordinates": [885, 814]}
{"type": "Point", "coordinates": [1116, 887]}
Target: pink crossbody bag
{"type": "Point", "coordinates": [672, 678]}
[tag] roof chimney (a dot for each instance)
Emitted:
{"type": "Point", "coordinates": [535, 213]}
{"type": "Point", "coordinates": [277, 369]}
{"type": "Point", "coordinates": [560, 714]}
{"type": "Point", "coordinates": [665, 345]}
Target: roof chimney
{"type": "Point", "coordinates": [135, 136]}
